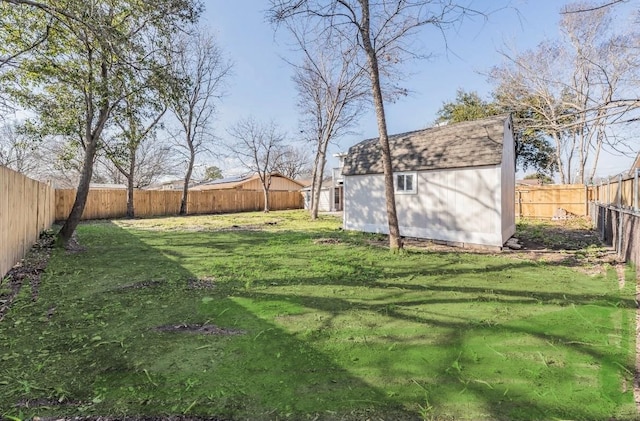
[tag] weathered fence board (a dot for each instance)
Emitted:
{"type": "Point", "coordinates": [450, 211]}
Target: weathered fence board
{"type": "Point", "coordinates": [105, 204]}
{"type": "Point", "coordinates": [27, 207]}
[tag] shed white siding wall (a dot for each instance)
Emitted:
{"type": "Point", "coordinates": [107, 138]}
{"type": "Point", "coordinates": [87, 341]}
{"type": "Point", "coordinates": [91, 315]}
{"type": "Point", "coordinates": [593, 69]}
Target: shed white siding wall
{"type": "Point", "coordinates": [508, 184]}
{"type": "Point", "coordinates": [456, 205]}
{"type": "Point", "coordinates": [324, 205]}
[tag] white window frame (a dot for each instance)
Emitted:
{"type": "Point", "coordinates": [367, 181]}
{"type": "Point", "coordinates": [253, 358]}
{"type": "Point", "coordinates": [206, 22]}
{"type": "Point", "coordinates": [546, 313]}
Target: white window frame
{"type": "Point", "coordinates": [404, 190]}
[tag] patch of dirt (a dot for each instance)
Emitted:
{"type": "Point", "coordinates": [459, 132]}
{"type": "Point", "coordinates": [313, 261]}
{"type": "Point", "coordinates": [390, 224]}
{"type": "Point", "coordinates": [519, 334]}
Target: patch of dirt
{"type": "Point", "coordinates": [568, 243]}
{"type": "Point", "coordinates": [561, 238]}
{"type": "Point", "coordinates": [207, 282]}
{"type": "Point", "coordinates": [201, 329]}
{"type": "Point", "coordinates": [28, 270]}
{"type": "Point", "coordinates": [327, 241]}
{"type": "Point", "coordinates": [249, 227]}
{"type": "Point", "coordinates": [139, 285]}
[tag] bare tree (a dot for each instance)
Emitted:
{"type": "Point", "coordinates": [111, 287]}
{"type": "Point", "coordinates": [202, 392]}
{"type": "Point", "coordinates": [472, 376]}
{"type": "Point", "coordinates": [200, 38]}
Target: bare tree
{"type": "Point", "coordinates": [200, 71]}
{"type": "Point", "coordinates": [525, 86]}
{"type": "Point", "coordinates": [153, 160]}
{"type": "Point", "coordinates": [62, 161]}
{"type": "Point", "coordinates": [134, 122]}
{"type": "Point", "coordinates": [17, 151]}
{"type": "Point", "coordinates": [599, 94]}
{"type": "Point", "coordinates": [293, 162]}
{"type": "Point", "coordinates": [577, 88]}
{"type": "Point", "coordinates": [382, 31]}
{"type": "Point", "coordinates": [258, 147]}
{"type": "Point", "coordinates": [331, 87]}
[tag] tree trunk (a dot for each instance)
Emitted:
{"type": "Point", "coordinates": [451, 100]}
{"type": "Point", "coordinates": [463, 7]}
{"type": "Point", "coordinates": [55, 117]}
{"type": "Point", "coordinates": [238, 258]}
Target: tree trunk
{"type": "Point", "coordinates": [317, 182]}
{"type": "Point", "coordinates": [130, 209]}
{"type": "Point", "coordinates": [583, 152]}
{"type": "Point", "coordinates": [559, 163]}
{"type": "Point", "coordinates": [187, 179]}
{"type": "Point", "coordinates": [132, 167]}
{"type": "Point", "coordinates": [265, 190]}
{"type": "Point", "coordinates": [312, 204]}
{"type": "Point", "coordinates": [82, 193]}
{"type": "Point", "coordinates": [600, 140]}
{"type": "Point", "coordinates": [91, 136]}
{"type": "Point", "coordinates": [395, 242]}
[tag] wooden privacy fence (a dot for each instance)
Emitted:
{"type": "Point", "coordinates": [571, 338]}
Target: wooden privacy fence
{"type": "Point", "coordinates": [616, 214]}
{"type": "Point", "coordinates": [619, 228]}
{"type": "Point", "coordinates": [27, 207]}
{"type": "Point", "coordinates": [544, 201]}
{"type": "Point", "coordinates": [105, 204]}
{"type": "Point", "coordinates": [620, 191]}
{"type": "Point", "coordinates": [531, 201]}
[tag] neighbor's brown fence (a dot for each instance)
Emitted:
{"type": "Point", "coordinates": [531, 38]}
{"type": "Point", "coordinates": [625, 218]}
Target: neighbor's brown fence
{"type": "Point", "coordinates": [544, 201]}
{"type": "Point", "coordinates": [620, 191]}
{"type": "Point", "coordinates": [104, 204]}
{"type": "Point", "coordinates": [616, 214]}
{"type": "Point", "coordinates": [27, 207]}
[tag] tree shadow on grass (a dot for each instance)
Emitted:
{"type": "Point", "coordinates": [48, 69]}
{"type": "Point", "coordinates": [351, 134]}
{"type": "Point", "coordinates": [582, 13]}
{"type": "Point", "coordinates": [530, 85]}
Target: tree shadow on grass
{"type": "Point", "coordinates": [504, 395]}
{"type": "Point", "coordinates": [318, 370]}
{"type": "Point", "coordinates": [342, 269]}
{"type": "Point", "coordinates": [511, 398]}
{"type": "Point", "coordinates": [100, 353]}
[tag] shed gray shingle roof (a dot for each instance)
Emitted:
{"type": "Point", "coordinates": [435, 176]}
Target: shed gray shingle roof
{"type": "Point", "coordinates": [466, 144]}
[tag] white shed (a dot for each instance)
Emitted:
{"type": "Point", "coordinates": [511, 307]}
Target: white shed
{"type": "Point", "coordinates": [453, 183]}
{"type": "Point", "coordinates": [331, 193]}
{"type": "Point", "coordinates": [330, 196]}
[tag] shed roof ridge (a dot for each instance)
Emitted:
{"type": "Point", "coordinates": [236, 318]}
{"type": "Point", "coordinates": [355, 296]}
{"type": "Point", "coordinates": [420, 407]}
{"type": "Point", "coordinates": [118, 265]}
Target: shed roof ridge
{"type": "Point", "coordinates": [465, 144]}
{"type": "Point", "coordinates": [494, 118]}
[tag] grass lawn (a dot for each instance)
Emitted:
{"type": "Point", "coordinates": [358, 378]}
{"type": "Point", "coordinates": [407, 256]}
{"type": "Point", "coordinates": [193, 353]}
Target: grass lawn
{"type": "Point", "coordinates": [265, 317]}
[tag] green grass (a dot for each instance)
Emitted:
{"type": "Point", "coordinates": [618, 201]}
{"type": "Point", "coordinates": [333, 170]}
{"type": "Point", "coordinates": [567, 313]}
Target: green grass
{"type": "Point", "coordinates": [331, 328]}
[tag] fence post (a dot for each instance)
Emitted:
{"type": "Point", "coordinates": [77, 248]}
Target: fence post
{"type": "Point", "coordinates": [601, 191]}
{"type": "Point", "coordinates": [635, 190]}
{"type": "Point", "coordinates": [620, 191]}
{"type": "Point", "coordinates": [586, 200]}
{"type": "Point", "coordinates": [619, 206]}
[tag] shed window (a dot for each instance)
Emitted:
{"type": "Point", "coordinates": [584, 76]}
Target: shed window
{"type": "Point", "coordinates": [406, 183]}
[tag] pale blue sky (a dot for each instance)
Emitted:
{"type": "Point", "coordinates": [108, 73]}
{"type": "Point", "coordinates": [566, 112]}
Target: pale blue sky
{"type": "Point", "coordinates": [261, 85]}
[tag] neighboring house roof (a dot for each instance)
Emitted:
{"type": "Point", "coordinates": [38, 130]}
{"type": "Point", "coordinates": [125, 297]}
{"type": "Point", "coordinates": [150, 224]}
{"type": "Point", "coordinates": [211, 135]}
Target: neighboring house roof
{"type": "Point", "coordinates": [236, 182]}
{"type": "Point", "coordinates": [466, 144]}
{"type": "Point", "coordinates": [226, 183]}
{"type": "Point", "coordinates": [305, 182]}
{"type": "Point", "coordinates": [106, 186]}
{"type": "Point", "coordinates": [167, 185]}
{"type": "Point", "coordinates": [326, 183]}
